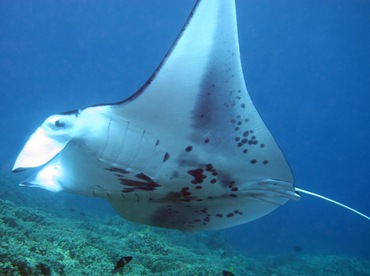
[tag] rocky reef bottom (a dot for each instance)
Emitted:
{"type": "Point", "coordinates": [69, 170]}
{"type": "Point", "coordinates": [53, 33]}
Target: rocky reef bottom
{"type": "Point", "coordinates": [37, 240]}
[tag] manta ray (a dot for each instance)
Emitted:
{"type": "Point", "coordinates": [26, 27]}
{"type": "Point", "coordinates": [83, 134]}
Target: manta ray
{"type": "Point", "coordinates": [187, 151]}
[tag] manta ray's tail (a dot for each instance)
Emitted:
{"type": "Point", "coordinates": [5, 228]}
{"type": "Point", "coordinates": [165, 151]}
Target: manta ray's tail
{"type": "Point", "coordinates": [333, 201]}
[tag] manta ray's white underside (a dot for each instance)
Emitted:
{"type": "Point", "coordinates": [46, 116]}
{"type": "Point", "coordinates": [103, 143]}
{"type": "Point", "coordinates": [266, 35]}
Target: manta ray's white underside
{"type": "Point", "coordinates": [187, 151]}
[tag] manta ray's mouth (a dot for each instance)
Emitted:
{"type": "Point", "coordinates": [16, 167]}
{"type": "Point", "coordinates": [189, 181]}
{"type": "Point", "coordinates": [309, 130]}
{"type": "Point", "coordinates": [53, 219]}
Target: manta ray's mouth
{"type": "Point", "coordinates": [17, 170]}
{"type": "Point", "coordinates": [28, 169]}
{"type": "Point", "coordinates": [48, 177]}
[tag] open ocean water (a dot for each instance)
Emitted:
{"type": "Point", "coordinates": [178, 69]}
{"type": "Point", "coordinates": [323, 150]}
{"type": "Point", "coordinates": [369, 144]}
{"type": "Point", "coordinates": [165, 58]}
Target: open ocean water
{"type": "Point", "coordinates": [306, 65]}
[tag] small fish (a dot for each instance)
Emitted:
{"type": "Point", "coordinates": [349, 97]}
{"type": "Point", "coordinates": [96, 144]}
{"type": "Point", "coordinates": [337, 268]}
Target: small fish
{"type": "Point", "coordinates": [227, 273]}
{"type": "Point", "coordinates": [297, 248]}
{"type": "Point", "coordinates": [122, 262]}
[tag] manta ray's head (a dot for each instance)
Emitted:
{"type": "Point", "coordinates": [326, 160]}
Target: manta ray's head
{"type": "Point", "coordinates": [47, 141]}
{"type": "Point", "coordinates": [45, 146]}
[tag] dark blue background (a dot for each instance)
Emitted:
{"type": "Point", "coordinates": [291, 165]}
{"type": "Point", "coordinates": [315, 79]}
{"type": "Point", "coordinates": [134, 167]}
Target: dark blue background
{"type": "Point", "coordinates": [307, 68]}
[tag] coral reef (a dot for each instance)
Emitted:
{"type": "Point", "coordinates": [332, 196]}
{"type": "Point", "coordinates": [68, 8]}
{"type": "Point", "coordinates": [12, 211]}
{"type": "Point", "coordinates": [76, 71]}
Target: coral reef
{"type": "Point", "coordinates": [37, 239]}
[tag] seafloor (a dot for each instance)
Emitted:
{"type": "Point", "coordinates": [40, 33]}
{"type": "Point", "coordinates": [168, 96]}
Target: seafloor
{"type": "Point", "coordinates": [40, 235]}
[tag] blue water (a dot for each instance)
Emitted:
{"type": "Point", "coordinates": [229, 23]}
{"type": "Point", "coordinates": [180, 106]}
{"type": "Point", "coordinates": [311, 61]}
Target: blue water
{"type": "Point", "coordinates": [306, 65]}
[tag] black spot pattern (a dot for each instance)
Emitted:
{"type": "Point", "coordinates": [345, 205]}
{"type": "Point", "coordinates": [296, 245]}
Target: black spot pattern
{"type": "Point", "coordinates": [118, 171]}
{"type": "Point", "coordinates": [245, 138]}
{"type": "Point", "coordinates": [139, 181]}
{"type": "Point", "coordinates": [183, 195]}
{"type": "Point", "coordinates": [185, 208]}
{"type": "Point", "coordinates": [198, 175]}
{"type": "Point", "coordinates": [188, 148]}
{"type": "Point", "coordinates": [166, 157]}
{"type": "Point", "coordinates": [196, 216]}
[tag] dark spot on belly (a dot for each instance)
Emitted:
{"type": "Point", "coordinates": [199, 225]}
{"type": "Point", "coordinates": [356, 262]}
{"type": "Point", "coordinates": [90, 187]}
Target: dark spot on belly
{"type": "Point", "coordinates": [145, 183]}
{"type": "Point", "coordinates": [166, 156]}
{"type": "Point", "coordinates": [118, 170]}
{"type": "Point", "coordinates": [198, 175]}
{"type": "Point", "coordinates": [188, 148]}
{"type": "Point", "coordinates": [209, 168]}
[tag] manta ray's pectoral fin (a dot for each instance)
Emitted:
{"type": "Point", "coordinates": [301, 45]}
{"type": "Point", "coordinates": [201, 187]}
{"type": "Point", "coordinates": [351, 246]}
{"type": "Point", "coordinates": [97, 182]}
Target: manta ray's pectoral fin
{"type": "Point", "coordinates": [197, 98]}
{"type": "Point", "coordinates": [197, 106]}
